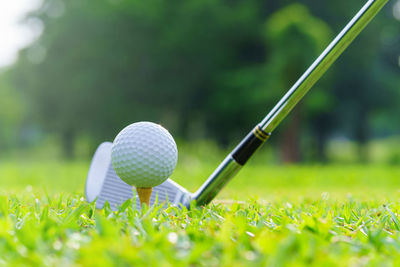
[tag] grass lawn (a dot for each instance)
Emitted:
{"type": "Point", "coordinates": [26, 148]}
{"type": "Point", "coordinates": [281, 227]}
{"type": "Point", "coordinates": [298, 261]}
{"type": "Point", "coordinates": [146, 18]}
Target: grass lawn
{"type": "Point", "coordinates": [268, 215]}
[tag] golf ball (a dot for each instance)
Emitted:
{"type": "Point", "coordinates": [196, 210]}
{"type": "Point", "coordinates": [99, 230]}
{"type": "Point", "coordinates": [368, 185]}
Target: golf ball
{"type": "Point", "coordinates": [144, 154]}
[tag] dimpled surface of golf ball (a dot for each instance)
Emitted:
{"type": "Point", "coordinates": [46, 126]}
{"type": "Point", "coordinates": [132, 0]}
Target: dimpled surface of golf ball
{"type": "Point", "coordinates": [144, 154]}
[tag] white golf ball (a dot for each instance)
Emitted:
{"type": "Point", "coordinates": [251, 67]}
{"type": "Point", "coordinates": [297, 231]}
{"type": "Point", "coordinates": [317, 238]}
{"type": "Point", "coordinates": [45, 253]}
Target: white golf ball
{"type": "Point", "coordinates": [144, 154]}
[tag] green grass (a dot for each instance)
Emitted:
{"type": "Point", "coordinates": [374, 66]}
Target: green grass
{"type": "Point", "coordinates": [264, 182]}
{"type": "Point", "coordinates": [57, 231]}
{"type": "Point", "coordinates": [267, 216]}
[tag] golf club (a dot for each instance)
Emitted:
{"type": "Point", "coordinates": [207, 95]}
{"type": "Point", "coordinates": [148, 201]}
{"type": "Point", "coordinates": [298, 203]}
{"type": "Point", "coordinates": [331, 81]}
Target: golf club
{"type": "Point", "coordinates": [104, 185]}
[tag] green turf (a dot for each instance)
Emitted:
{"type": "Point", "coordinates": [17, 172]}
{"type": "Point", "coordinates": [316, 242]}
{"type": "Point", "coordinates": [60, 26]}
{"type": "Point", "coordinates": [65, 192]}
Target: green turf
{"type": "Point", "coordinates": [264, 182]}
{"type": "Point", "coordinates": [269, 215]}
{"type": "Point", "coordinates": [58, 231]}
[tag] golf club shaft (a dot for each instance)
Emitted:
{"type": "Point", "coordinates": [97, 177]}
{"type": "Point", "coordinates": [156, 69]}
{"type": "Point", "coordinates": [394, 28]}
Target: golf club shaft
{"type": "Point", "coordinates": [239, 156]}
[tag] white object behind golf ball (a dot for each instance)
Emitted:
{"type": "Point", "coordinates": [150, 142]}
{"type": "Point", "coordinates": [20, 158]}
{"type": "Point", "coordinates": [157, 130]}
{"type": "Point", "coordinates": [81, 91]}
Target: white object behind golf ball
{"type": "Point", "coordinates": [144, 154]}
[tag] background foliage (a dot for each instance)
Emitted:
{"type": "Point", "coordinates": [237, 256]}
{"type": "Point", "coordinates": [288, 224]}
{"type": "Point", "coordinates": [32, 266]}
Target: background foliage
{"type": "Point", "coordinates": [204, 69]}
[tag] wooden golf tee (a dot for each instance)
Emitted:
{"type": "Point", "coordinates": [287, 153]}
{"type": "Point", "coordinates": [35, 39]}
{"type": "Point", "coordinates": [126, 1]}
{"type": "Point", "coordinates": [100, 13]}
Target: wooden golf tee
{"type": "Point", "coordinates": [144, 194]}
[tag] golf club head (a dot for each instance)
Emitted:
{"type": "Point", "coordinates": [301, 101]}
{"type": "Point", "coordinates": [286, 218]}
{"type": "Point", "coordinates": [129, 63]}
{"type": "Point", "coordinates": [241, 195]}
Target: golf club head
{"type": "Point", "coordinates": [104, 185]}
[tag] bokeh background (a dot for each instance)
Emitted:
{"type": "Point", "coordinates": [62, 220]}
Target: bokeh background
{"type": "Point", "coordinates": [207, 70]}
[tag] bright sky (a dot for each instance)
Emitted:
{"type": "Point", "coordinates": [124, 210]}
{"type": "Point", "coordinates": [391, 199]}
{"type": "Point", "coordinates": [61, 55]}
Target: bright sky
{"type": "Point", "coordinates": [14, 35]}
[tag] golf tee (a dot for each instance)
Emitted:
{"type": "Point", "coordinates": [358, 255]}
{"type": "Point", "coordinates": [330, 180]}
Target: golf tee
{"type": "Point", "coordinates": [144, 194]}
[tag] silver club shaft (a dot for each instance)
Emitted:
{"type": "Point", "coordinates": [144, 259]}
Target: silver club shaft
{"type": "Point", "coordinates": [239, 156]}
